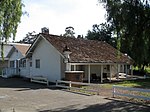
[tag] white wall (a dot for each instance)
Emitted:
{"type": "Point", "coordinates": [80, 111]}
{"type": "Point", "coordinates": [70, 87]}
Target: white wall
{"type": "Point", "coordinates": [50, 62]}
{"type": "Point", "coordinates": [15, 56]}
{"type": "Point", "coordinates": [25, 71]}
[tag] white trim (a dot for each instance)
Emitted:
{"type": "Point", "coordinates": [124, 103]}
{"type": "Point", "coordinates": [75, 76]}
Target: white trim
{"type": "Point", "coordinates": [31, 47]}
{"type": "Point", "coordinates": [95, 63]}
{"type": "Point", "coordinates": [74, 71]}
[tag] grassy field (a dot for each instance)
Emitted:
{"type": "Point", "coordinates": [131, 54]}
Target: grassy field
{"type": "Point", "coordinates": [139, 83]}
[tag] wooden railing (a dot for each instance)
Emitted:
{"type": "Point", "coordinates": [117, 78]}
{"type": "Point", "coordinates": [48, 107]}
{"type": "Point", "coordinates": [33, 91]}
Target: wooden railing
{"type": "Point", "coordinates": [127, 94]}
{"type": "Point", "coordinates": [85, 87]}
{"type": "Point", "coordinates": [9, 72]}
{"type": "Point", "coordinates": [40, 79]}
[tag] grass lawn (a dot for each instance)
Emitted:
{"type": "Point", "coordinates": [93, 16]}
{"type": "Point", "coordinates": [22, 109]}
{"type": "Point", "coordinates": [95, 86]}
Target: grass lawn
{"type": "Point", "coordinates": [139, 83]}
{"type": "Point", "coordinates": [147, 69]}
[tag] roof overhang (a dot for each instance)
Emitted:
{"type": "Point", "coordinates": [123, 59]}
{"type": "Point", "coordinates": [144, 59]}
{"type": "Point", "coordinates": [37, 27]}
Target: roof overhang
{"type": "Point", "coordinates": [98, 63]}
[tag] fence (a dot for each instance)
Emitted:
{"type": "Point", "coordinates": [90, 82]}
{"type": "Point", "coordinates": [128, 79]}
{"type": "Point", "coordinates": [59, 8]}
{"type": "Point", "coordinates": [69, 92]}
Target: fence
{"type": "Point", "coordinates": [130, 95]}
{"type": "Point", "coordinates": [40, 79]}
{"type": "Point", "coordinates": [9, 72]}
{"type": "Point", "coordinates": [84, 87]}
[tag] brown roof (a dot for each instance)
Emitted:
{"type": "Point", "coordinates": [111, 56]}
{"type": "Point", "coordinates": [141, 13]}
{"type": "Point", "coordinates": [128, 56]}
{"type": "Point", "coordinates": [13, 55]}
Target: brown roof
{"type": "Point", "coordinates": [22, 48]}
{"type": "Point", "coordinates": [87, 51]}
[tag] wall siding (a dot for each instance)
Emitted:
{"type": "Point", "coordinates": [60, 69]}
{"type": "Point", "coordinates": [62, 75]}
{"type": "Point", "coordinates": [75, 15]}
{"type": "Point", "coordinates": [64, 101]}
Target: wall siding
{"type": "Point", "coordinates": [50, 62]}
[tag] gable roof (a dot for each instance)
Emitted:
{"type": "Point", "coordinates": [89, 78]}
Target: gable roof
{"type": "Point", "coordinates": [85, 51]}
{"type": "Point", "coordinates": [7, 50]}
{"type": "Point", "coordinates": [22, 48]}
{"type": "Point", "coordinates": [11, 47]}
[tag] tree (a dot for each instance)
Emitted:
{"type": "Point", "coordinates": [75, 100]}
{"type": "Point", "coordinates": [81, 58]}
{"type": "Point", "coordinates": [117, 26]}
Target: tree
{"type": "Point", "coordinates": [29, 39]}
{"type": "Point", "coordinates": [69, 32]}
{"type": "Point", "coordinates": [10, 15]}
{"type": "Point", "coordinates": [131, 25]}
{"type": "Point", "coordinates": [102, 32]}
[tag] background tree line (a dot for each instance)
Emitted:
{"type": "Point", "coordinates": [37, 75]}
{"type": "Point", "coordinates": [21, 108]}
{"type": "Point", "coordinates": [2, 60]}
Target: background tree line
{"type": "Point", "coordinates": [127, 28]}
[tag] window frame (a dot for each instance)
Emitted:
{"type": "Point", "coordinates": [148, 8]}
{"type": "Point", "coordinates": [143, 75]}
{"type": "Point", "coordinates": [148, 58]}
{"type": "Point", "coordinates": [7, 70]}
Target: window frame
{"type": "Point", "coordinates": [37, 63]}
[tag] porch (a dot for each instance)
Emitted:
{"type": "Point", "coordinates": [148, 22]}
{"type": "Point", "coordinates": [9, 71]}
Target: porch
{"type": "Point", "coordinates": [9, 72]}
{"type": "Point", "coordinates": [100, 72]}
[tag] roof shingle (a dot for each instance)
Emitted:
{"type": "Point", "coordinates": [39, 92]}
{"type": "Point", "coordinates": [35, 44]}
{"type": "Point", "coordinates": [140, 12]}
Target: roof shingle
{"type": "Point", "coordinates": [87, 51]}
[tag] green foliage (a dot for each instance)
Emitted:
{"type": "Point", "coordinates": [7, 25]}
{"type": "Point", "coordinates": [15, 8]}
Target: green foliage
{"type": "Point", "coordinates": [69, 32]}
{"type": "Point", "coordinates": [131, 24]}
{"type": "Point", "coordinates": [2, 53]}
{"type": "Point", "coordinates": [102, 32]}
{"type": "Point", "coordinates": [10, 15]}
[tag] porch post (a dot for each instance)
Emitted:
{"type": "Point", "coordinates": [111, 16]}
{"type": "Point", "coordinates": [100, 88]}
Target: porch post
{"type": "Point", "coordinates": [131, 70]}
{"type": "Point", "coordinates": [68, 67]}
{"type": "Point", "coordinates": [110, 73]}
{"type": "Point", "coordinates": [126, 71]}
{"type": "Point", "coordinates": [15, 63]}
{"type": "Point", "coordinates": [89, 72]}
{"type": "Point", "coordinates": [74, 67]}
{"type": "Point", "coordinates": [118, 71]}
{"type": "Point", "coordinates": [101, 73]}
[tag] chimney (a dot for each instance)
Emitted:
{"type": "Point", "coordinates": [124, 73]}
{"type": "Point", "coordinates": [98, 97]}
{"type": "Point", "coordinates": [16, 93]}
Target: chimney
{"type": "Point", "coordinates": [45, 30]}
{"type": "Point", "coordinates": [66, 53]}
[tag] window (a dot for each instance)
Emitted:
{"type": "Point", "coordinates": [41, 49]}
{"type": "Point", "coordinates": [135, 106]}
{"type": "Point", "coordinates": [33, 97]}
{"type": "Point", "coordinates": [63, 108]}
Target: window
{"type": "Point", "coordinates": [24, 63]}
{"type": "Point", "coordinates": [30, 64]}
{"type": "Point", "coordinates": [12, 64]}
{"type": "Point", "coordinates": [37, 63]}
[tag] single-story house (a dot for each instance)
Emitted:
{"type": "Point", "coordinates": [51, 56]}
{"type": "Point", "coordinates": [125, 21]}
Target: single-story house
{"type": "Point", "coordinates": [7, 51]}
{"type": "Point", "coordinates": [56, 57]}
{"type": "Point", "coordinates": [13, 53]}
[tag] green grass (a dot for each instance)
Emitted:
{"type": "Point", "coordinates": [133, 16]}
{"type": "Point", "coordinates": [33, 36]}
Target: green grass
{"type": "Point", "coordinates": [140, 83]}
{"type": "Point", "coordinates": [147, 69]}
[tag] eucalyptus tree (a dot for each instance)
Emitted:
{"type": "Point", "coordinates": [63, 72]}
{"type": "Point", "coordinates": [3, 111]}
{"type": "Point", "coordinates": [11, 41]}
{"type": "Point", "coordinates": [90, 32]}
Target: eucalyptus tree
{"type": "Point", "coordinates": [131, 22]}
{"type": "Point", "coordinates": [102, 32]}
{"type": "Point", "coordinates": [69, 32]}
{"type": "Point", "coordinates": [10, 15]}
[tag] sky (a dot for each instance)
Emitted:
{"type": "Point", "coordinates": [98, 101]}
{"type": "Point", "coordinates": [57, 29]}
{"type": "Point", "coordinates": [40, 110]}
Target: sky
{"type": "Point", "coordinates": [59, 14]}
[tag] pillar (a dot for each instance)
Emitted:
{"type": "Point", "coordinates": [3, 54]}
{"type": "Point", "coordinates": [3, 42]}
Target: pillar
{"type": "Point", "coordinates": [126, 71]}
{"type": "Point", "coordinates": [110, 73]}
{"type": "Point", "coordinates": [74, 67]}
{"type": "Point", "coordinates": [131, 70]}
{"type": "Point", "coordinates": [118, 71]}
{"type": "Point", "coordinates": [89, 73]}
{"type": "Point", "coordinates": [101, 73]}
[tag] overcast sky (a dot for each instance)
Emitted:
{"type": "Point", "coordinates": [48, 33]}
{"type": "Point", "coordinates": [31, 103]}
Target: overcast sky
{"type": "Point", "coordinates": [59, 14]}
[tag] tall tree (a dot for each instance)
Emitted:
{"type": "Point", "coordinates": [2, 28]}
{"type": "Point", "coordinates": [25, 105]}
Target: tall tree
{"type": "Point", "coordinates": [10, 15]}
{"type": "Point", "coordinates": [69, 32]}
{"type": "Point", "coordinates": [131, 22]}
{"type": "Point", "coordinates": [29, 38]}
{"type": "Point", "coordinates": [102, 32]}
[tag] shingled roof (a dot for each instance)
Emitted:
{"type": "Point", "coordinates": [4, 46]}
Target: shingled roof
{"type": "Point", "coordinates": [87, 51]}
{"type": "Point", "coordinates": [22, 48]}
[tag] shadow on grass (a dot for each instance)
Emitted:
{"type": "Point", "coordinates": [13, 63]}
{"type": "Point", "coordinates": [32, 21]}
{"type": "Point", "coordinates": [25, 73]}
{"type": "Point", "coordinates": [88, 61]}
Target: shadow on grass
{"type": "Point", "coordinates": [112, 106]}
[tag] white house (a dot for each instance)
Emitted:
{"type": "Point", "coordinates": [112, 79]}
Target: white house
{"type": "Point", "coordinates": [14, 59]}
{"type": "Point", "coordinates": [53, 57]}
